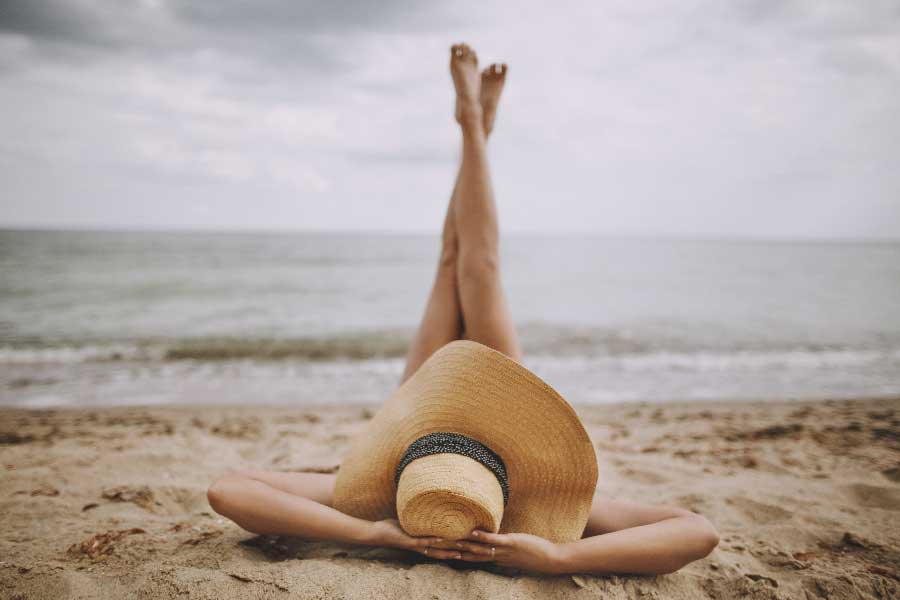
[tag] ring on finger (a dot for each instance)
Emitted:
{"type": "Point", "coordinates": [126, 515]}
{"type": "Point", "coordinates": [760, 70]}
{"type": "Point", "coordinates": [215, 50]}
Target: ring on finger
{"type": "Point", "coordinates": [493, 552]}
{"type": "Point", "coordinates": [426, 550]}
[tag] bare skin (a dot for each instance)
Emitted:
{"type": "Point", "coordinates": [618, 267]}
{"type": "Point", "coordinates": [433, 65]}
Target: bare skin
{"type": "Point", "coordinates": [492, 80]}
{"type": "Point", "coordinates": [467, 302]}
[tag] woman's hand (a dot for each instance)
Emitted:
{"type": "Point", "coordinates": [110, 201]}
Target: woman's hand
{"type": "Point", "coordinates": [518, 550]}
{"type": "Point", "coordinates": [388, 533]}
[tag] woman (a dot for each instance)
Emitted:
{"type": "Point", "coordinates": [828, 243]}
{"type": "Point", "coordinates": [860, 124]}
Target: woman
{"type": "Point", "coordinates": [467, 302]}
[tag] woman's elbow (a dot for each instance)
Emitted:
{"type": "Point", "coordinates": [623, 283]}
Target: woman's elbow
{"type": "Point", "coordinates": [221, 492]}
{"type": "Point", "coordinates": [216, 495]}
{"type": "Point", "coordinates": [707, 536]}
{"type": "Point", "coordinates": [704, 540]}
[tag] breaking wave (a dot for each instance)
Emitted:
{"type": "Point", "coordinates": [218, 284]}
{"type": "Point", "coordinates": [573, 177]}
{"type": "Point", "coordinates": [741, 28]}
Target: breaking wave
{"type": "Point", "coordinates": [548, 342]}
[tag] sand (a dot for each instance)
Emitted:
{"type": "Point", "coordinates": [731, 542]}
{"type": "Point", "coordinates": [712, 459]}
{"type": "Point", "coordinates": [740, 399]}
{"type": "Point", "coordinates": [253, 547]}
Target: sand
{"type": "Point", "coordinates": [110, 503]}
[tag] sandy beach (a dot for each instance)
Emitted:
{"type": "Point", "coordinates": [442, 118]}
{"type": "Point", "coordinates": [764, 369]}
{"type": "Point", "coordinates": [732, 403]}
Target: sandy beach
{"type": "Point", "coordinates": [110, 503]}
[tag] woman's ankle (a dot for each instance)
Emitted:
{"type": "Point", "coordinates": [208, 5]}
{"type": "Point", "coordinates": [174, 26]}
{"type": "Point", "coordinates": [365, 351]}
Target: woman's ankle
{"type": "Point", "coordinates": [471, 120]}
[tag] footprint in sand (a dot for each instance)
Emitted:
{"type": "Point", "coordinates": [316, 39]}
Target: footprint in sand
{"type": "Point", "coordinates": [759, 512]}
{"type": "Point", "coordinates": [750, 585]}
{"type": "Point", "coordinates": [874, 496]}
{"type": "Point", "coordinates": [893, 474]}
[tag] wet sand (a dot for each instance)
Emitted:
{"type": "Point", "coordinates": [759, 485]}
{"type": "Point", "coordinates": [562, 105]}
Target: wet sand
{"type": "Point", "coordinates": [110, 503]}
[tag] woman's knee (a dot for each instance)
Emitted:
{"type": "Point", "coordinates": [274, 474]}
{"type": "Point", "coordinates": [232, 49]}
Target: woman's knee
{"type": "Point", "coordinates": [479, 267]}
{"type": "Point", "coordinates": [449, 253]}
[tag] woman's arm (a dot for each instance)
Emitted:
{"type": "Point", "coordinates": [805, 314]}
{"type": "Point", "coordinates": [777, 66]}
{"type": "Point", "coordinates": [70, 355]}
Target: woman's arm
{"type": "Point", "coordinates": [296, 504]}
{"type": "Point", "coordinates": [654, 547]}
{"type": "Point", "coordinates": [623, 538]}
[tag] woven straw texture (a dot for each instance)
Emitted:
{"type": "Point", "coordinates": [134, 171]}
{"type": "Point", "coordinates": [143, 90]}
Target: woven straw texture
{"type": "Point", "coordinates": [448, 495]}
{"type": "Point", "coordinates": [473, 390]}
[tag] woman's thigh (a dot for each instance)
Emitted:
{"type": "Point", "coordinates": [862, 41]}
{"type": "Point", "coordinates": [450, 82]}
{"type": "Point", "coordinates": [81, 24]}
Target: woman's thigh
{"type": "Point", "coordinates": [315, 486]}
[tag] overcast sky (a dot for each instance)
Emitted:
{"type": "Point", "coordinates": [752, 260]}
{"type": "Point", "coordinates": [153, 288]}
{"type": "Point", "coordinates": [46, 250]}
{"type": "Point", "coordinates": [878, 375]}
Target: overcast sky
{"type": "Point", "coordinates": [764, 118]}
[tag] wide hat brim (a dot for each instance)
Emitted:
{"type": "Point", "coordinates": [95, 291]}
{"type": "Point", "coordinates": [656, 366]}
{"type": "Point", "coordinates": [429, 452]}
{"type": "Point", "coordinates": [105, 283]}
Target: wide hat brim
{"type": "Point", "coordinates": [473, 390]}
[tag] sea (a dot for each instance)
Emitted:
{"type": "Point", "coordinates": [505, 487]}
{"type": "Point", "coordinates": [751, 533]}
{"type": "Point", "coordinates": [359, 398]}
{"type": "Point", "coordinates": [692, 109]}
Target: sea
{"type": "Point", "coordinates": [93, 318]}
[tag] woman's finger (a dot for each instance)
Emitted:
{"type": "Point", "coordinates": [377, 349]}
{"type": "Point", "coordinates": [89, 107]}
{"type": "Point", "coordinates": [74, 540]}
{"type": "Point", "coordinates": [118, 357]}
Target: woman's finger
{"type": "Point", "coordinates": [424, 542]}
{"type": "Point", "coordinates": [439, 553]}
{"type": "Point", "coordinates": [472, 557]}
{"type": "Point", "coordinates": [493, 539]}
{"type": "Point", "coordinates": [474, 547]}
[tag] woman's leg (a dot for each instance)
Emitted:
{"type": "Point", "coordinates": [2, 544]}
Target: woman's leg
{"type": "Point", "coordinates": [481, 296]}
{"type": "Point", "coordinates": [443, 320]}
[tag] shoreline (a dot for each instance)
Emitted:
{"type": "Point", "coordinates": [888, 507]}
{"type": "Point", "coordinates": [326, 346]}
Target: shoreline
{"type": "Point", "coordinates": [657, 378]}
{"type": "Point", "coordinates": [110, 501]}
{"type": "Point", "coordinates": [9, 411]}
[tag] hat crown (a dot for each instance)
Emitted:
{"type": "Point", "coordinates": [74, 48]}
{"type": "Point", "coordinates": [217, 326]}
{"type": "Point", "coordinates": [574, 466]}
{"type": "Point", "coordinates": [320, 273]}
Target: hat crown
{"type": "Point", "coordinates": [448, 495]}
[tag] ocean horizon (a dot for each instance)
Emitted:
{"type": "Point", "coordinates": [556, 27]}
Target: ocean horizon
{"type": "Point", "coordinates": [152, 317]}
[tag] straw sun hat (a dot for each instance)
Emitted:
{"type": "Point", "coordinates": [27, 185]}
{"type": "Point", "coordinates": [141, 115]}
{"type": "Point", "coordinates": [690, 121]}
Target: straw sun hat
{"type": "Point", "coordinates": [472, 440]}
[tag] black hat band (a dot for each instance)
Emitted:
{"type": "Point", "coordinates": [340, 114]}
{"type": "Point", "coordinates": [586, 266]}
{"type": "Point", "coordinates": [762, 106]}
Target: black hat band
{"type": "Point", "coordinates": [455, 443]}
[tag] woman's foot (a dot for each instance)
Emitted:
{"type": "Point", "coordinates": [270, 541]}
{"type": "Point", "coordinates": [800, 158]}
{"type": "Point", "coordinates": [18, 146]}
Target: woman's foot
{"type": "Point", "coordinates": [492, 80]}
{"type": "Point", "coordinates": [466, 79]}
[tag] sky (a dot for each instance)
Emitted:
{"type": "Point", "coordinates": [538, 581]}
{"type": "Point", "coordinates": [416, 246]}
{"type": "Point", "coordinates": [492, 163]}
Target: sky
{"type": "Point", "coordinates": [748, 118]}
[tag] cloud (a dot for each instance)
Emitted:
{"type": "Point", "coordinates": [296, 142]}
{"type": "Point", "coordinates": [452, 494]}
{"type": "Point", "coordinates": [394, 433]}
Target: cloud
{"type": "Point", "coordinates": [72, 22]}
{"type": "Point", "coordinates": [296, 18]}
{"type": "Point", "coordinates": [740, 118]}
